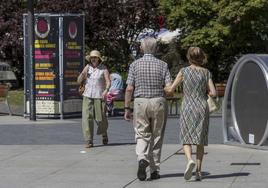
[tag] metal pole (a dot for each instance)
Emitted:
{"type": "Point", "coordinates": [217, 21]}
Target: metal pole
{"type": "Point", "coordinates": [31, 59]}
{"type": "Point", "coordinates": [61, 65]}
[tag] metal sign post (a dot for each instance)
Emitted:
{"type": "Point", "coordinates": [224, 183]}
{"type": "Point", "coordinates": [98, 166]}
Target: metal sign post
{"type": "Point", "coordinates": [31, 59]}
{"type": "Point", "coordinates": [54, 56]}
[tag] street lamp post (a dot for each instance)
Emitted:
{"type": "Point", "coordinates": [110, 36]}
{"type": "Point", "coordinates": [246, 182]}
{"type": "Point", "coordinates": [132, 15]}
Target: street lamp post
{"type": "Point", "coordinates": [31, 61]}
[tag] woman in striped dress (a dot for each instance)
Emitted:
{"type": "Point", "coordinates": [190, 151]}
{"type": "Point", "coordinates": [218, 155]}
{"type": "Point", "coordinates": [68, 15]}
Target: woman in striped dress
{"type": "Point", "coordinates": [194, 118]}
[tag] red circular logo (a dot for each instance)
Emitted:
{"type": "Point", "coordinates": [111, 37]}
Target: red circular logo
{"type": "Point", "coordinates": [72, 29]}
{"type": "Point", "coordinates": [42, 28]}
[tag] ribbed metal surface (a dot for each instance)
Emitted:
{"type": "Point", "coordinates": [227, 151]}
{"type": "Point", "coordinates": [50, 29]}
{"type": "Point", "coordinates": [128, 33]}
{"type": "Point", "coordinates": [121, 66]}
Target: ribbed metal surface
{"type": "Point", "coordinates": [245, 107]}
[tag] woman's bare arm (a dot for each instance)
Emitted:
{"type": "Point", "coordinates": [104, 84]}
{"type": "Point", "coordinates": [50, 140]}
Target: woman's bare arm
{"type": "Point", "coordinates": [211, 89]}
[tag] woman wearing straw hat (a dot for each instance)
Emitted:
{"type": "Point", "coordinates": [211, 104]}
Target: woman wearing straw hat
{"type": "Point", "coordinates": [96, 77]}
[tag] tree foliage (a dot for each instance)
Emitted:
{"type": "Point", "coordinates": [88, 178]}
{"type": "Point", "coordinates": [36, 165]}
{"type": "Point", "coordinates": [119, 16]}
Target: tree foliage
{"type": "Point", "coordinates": [225, 29]}
{"type": "Point", "coordinates": [110, 26]}
{"type": "Point", "coordinates": [11, 33]}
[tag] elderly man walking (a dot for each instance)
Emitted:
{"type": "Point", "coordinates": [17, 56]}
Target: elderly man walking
{"type": "Point", "coordinates": [147, 78]}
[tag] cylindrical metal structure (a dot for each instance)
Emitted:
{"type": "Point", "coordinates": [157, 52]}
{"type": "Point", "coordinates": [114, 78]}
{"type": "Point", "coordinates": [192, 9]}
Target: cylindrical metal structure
{"type": "Point", "coordinates": [245, 105]}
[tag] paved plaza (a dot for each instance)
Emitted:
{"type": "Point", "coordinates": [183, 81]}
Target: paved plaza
{"type": "Point", "coordinates": [51, 153]}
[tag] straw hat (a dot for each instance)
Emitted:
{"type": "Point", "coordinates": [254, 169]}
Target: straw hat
{"type": "Point", "coordinates": [94, 53]}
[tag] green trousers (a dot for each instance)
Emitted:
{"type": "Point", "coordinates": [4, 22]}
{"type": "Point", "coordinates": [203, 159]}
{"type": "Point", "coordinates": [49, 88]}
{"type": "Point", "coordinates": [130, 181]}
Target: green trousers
{"type": "Point", "coordinates": [93, 109]}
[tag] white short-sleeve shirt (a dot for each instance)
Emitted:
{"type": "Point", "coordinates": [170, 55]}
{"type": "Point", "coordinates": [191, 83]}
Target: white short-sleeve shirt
{"type": "Point", "coordinates": [95, 83]}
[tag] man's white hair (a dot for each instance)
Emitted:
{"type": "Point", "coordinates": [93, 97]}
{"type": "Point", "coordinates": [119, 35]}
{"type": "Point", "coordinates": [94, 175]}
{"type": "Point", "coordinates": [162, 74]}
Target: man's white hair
{"type": "Point", "coordinates": [148, 45]}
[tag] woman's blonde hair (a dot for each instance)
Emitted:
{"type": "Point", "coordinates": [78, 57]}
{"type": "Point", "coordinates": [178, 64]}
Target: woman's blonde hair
{"type": "Point", "coordinates": [196, 56]}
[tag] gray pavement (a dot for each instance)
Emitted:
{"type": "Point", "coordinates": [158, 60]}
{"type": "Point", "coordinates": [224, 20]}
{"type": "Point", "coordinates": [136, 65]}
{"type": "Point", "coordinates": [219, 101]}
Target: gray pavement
{"type": "Point", "coordinates": [51, 153]}
{"type": "Point", "coordinates": [16, 130]}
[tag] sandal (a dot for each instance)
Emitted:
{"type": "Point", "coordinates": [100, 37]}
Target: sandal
{"type": "Point", "coordinates": [198, 176]}
{"type": "Point", "coordinates": [89, 144]}
{"type": "Point", "coordinates": [105, 140]}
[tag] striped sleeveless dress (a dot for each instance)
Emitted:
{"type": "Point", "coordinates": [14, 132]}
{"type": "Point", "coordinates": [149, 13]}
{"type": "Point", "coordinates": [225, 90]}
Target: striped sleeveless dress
{"type": "Point", "coordinates": [194, 118]}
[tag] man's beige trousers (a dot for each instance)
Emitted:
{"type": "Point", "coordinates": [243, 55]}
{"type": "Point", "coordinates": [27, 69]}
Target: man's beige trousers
{"type": "Point", "coordinates": [149, 118]}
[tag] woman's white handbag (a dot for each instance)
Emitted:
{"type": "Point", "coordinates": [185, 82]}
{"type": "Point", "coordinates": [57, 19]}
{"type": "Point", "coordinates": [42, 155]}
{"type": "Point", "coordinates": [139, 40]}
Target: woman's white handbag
{"type": "Point", "coordinates": [212, 105]}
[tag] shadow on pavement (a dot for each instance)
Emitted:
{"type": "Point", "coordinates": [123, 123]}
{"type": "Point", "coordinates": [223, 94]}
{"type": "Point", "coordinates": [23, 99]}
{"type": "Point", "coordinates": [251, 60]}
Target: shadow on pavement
{"type": "Point", "coordinates": [114, 144]}
{"type": "Point", "coordinates": [172, 175]}
{"type": "Point", "coordinates": [226, 175]}
{"type": "Point", "coordinates": [206, 175]}
{"type": "Point", "coordinates": [180, 175]}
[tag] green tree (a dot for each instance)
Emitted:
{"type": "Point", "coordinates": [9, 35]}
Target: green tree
{"type": "Point", "coordinates": [225, 29]}
{"type": "Point", "coordinates": [170, 53]}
